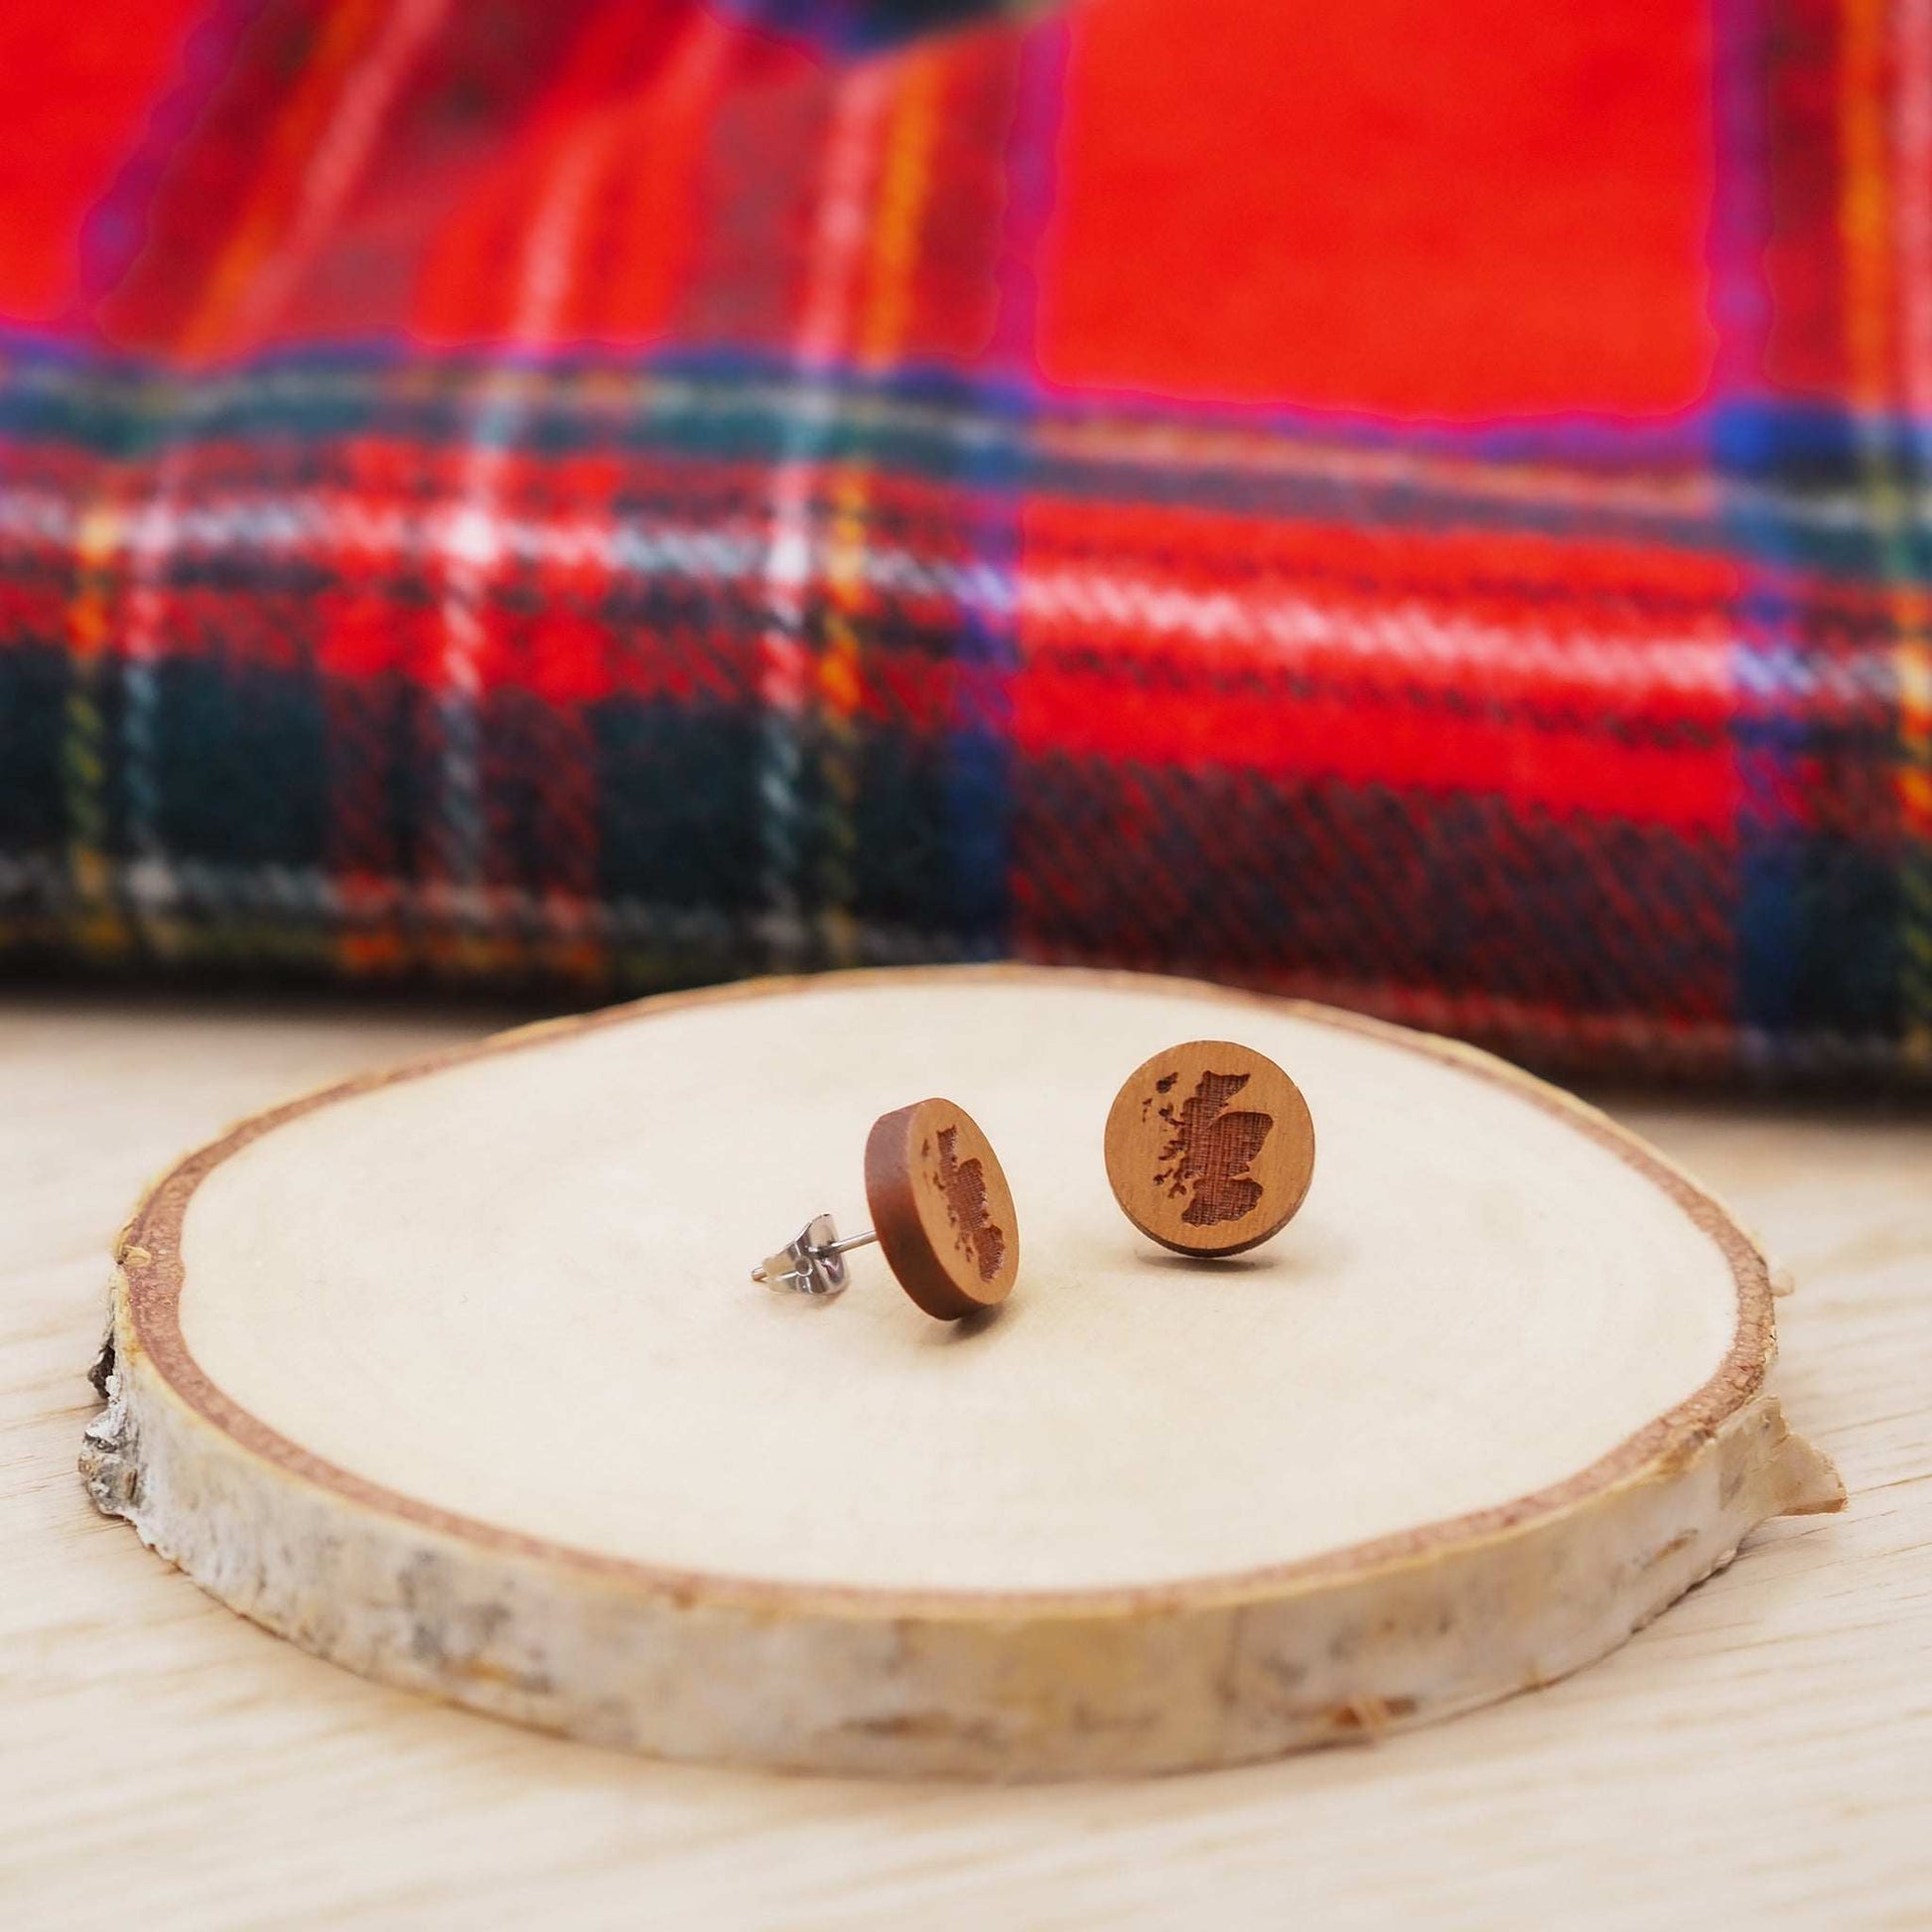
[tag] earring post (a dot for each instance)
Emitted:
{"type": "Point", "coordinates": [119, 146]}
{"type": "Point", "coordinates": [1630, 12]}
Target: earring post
{"type": "Point", "coordinates": [813, 1262]}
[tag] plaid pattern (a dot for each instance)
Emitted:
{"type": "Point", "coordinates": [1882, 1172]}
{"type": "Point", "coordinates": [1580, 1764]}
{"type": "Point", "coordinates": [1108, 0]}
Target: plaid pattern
{"type": "Point", "coordinates": [606, 495]}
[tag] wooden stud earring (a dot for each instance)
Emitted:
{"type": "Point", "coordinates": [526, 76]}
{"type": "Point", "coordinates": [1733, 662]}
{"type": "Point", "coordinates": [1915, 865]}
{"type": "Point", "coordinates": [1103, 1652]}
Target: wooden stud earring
{"type": "Point", "coordinates": [942, 1214]}
{"type": "Point", "coordinates": [1210, 1148]}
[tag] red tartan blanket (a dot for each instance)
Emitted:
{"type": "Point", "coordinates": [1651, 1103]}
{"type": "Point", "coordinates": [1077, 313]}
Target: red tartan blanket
{"type": "Point", "coordinates": [1425, 507]}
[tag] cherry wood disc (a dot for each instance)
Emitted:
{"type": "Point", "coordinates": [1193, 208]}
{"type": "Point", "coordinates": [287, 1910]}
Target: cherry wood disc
{"type": "Point", "coordinates": [1210, 1148]}
{"type": "Point", "coordinates": [942, 1209]}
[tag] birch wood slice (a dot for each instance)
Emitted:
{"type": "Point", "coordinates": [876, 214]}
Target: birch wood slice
{"type": "Point", "coordinates": [456, 1377]}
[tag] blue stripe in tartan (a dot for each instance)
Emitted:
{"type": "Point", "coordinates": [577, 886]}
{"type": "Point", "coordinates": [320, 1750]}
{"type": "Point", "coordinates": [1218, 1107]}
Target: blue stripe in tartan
{"type": "Point", "coordinates": [1745, 444]}
{"type": "Point", "coordinates": [1789, 472]}
{"type": "Point", "coordinates": [979, 755]}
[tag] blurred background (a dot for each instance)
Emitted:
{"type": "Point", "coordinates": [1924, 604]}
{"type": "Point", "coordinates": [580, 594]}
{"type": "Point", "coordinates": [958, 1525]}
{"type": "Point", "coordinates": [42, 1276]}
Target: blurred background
{"type": "Point", "coordinates": [1419, 506]}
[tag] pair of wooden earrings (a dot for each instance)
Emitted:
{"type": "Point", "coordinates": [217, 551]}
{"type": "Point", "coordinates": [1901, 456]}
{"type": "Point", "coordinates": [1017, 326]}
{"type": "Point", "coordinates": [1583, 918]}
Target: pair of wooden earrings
{"type": "Point", "coordinates": [1210, 1151]}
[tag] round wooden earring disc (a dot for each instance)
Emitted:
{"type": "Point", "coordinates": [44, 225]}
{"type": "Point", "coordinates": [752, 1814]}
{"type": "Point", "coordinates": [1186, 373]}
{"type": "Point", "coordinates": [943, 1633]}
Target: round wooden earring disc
{"type": "Point", "coordinates": [942, 1209]}
{"type": "Point", "coordinates": [1210, 1148]}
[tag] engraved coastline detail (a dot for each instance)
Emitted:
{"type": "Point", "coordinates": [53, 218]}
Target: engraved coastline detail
{"type": "Point", "coordinates": [1206, 1158]}
{"type": "Point", "coordinates": [962, 1185]}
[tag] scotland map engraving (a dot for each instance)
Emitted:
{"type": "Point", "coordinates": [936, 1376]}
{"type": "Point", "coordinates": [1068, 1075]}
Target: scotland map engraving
{"type": "Point", "coordinates": [962, 1185]}
{"type": "Point", "coordinates": [1207, 1156]}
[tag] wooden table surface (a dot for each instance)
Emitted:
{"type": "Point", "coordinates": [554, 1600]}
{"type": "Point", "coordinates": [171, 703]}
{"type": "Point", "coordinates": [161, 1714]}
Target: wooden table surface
{"type": "Point", "coordinates": [1761, 1755]}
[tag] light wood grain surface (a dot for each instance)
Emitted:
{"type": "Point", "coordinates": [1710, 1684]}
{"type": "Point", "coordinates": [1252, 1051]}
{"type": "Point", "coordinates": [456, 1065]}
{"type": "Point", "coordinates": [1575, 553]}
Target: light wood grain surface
{"type": "Point", "coordinates": [1762, 1753]}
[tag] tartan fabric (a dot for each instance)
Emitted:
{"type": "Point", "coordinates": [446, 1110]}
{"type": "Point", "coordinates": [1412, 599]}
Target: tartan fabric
{"type": "Point", "coordinates": [1426, 508]}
